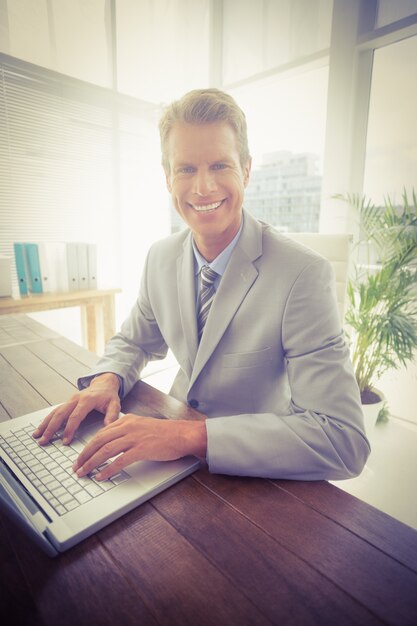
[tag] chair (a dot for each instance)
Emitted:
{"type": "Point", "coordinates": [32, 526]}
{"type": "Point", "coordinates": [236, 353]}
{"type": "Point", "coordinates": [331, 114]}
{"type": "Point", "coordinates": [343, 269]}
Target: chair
{"type": "Point", "coordinates": [336, 248]}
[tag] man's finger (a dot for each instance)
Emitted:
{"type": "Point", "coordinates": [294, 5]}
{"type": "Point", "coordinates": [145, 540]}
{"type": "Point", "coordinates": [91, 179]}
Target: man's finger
{"type": "Point", "coordinates": [112, 413]}
{"type": "Point", "coordinates": [74, 420]}
{"type": "Point", "coordinates": [52, 423]}
{"type": "Point", "coordinates": [116, 466]}
{"type": "Point", "coordinates": [103, 440]}
{"type": "Point", "coordinates": [44, 423]}
{"type": "Point", "coordinates": [93, 456]}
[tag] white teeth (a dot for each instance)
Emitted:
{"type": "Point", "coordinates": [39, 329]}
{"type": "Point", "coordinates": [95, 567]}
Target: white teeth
{"type": "Point", "coordinates": [206, 207]}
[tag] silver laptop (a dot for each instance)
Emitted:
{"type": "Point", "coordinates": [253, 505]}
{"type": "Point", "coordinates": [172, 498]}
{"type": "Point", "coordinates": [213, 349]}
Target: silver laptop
{"type": "Point", "coordinates": [41, 493]}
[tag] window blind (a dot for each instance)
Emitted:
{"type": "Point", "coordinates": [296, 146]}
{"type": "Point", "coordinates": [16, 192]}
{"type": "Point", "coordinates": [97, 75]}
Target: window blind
{"type": "Point", "coordinates": [58, 160]}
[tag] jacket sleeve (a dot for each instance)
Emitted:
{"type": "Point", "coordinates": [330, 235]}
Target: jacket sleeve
{"type": "Point", "coordinates": [138, 342]}
{"type": "Point", "coordinates": [322, 435]}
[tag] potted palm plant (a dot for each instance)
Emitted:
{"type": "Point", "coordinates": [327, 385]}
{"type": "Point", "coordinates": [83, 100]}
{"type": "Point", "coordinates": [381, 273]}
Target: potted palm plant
{"type": "Point", "coordinates": [381, 318]}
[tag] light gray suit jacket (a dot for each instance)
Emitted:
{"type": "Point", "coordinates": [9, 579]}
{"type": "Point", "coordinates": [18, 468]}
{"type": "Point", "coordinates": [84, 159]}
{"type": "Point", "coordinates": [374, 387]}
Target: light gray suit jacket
{"type": "Point", "coordinates": [272, 371]}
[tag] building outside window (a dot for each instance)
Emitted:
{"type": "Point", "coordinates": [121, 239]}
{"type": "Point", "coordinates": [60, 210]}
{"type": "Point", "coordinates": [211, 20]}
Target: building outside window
{"type": "Point", "coordinates": [285, 191]}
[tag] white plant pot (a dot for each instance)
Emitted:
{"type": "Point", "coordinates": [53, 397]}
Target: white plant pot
{"type": "Point", "coordinates": [371, 412]}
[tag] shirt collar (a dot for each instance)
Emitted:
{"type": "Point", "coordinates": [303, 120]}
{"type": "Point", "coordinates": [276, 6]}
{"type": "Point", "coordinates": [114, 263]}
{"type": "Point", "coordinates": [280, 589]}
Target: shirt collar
{"type": "Point", "coordinates": [220, 262]}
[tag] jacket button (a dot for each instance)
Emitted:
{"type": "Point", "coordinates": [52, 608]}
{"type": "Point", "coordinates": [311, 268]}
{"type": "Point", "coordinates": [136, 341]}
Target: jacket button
{"type": "Point", "coordinates": [193, 403]}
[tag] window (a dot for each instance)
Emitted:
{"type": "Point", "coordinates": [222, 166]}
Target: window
{"type": "Point", "coordinates": [73, 38]}
{"type": "Point", "coordinates": [391, 149]}
{"type": "Point", "coordinates": [389, 11]}
{"type": "Point", "coordinates": [56, 162]}
{"type": "Point", "coordinates": [391, 166]}
{"type": "Point", "coordinates": [286, 118]}
{"type": "Point", "coordinates": [78, 163]}
{"type": "Point", "coordinates": [263, 35]}
{"type": "Point", "coordinates": [162, 47]}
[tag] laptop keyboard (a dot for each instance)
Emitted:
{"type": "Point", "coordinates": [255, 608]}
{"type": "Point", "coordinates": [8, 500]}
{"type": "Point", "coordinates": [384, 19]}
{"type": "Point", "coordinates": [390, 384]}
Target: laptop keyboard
{"type": "Point", "coordinates": [49, 469]}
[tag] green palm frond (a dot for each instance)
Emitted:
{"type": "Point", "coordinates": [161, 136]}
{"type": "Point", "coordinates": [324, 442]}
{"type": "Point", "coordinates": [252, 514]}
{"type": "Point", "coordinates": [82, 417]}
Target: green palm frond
{"type": "Point", "coordinates": [382, 313]}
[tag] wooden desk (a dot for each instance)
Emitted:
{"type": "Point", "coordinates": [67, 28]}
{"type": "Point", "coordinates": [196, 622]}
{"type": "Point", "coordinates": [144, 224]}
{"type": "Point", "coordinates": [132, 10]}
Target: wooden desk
{"type": "Point", "coordinates": [212, 550]}
{"type": "Point", "coordinates": [97, 311]}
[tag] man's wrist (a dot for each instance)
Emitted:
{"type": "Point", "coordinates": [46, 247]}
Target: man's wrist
{"type": "Point", "coordinates": [194, 437]}
{"type": "Point", "coordinates": [108, 380]}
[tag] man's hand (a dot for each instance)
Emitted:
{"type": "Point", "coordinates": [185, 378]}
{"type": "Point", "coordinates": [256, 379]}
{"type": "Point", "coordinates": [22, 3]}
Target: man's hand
{"type": "Point", "coordinates": [102, 395]}
{"type": "Point", "coordinates": [133, 438]}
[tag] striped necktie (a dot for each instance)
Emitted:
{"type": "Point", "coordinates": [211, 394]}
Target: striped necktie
{"type": "Point", "coordinates": [207, 292]}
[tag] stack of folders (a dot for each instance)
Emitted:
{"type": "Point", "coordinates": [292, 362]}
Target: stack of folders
{"type": "Point", "coordinates": [55, 266]}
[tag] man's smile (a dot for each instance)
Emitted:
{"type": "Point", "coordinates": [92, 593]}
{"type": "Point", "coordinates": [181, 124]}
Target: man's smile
{"type": "Point", "coordinates": [205, 208]}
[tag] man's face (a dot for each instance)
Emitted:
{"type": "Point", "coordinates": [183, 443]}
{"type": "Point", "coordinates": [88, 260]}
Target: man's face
{"type": "Point", "coordinates": [207, 182]}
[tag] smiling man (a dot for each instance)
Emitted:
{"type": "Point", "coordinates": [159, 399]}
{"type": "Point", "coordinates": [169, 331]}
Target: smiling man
{"type": "Point", "coordinates": [206, 179]}
{"type": "Point", "coordinates": [251, 318]}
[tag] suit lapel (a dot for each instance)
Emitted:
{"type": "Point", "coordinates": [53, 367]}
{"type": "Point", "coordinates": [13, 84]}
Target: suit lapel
{"type": "Point", "coordinates": [237, 280]}
{"type": "Point", "coordinates": [186, 299]}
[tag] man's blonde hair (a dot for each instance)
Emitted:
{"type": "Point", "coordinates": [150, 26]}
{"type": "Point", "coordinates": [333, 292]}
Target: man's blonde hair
{"type": "Point", "coordinates": [204, 106]}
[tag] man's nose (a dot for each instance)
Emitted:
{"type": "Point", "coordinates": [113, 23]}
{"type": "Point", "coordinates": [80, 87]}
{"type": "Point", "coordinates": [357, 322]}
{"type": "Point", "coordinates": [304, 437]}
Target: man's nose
{"type": "Point", "coordinates": [204, 182]}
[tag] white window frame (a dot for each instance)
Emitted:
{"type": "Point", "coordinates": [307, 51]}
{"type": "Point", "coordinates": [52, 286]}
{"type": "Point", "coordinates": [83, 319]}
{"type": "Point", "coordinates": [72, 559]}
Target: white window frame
{"type": "Point", "coordinates": [354, 40]}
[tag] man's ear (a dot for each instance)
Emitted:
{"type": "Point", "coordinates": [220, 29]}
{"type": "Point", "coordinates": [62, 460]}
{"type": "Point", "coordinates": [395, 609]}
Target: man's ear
{"type": "Point", "coordinates": [246, 172]}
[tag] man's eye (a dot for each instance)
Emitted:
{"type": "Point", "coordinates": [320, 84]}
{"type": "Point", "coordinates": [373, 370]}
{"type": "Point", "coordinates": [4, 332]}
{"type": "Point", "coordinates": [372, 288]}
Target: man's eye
{"type": "Point", "coordinates": [187, 169]}
{"type": "Point", "coordinates": [219, 166]}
